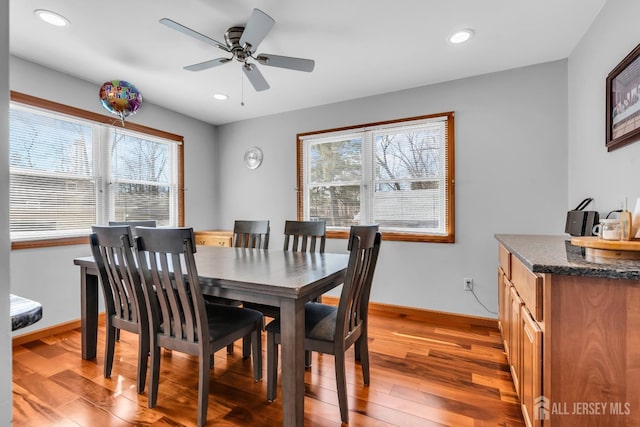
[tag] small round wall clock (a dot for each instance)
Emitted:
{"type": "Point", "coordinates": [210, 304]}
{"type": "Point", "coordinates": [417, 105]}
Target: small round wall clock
{"type": "Point", "coordinates": [253, 157]}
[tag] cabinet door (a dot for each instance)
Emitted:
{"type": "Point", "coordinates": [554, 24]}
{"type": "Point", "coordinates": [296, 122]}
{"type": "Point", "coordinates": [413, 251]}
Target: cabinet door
{"type": "Point", "coordinates": [505, 313]}
{"type": "Point", "coordinates": [501, 308]}
{"type": "Point", "coordinates": [514, 339]}
{"type": "Point", "coordinates": [506, 323]}
{"type": "Point", "coordinates": [531, 367]}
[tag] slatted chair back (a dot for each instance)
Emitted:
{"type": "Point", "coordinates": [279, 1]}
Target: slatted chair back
{"type": "Point", "coordinates": [134, 224]}
{"type": "Point", "coordinates": [125, 306]}
{"type": "Point", "coordinates": [178, 316]}
{"type": "Point", "coordinates": [305, 236]}
{"type": "Point", "coordinates": [112, 250]}
{"type": "Point", "coordinates": [251, 234]}
{"type": "Point", "coordinates": [364, 246]}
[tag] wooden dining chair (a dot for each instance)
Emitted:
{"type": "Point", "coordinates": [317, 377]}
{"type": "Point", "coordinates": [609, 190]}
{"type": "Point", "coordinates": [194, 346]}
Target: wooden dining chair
{"type": "Point", "coordinates": [247, 234]}
{"type": "Point", "coordinates": [123, 298]}
{"type": "Point", "coordinates": [305, 236]}
{"type": "Point", "coordinates": [251, 234]}
{"type": "Point", "coordinates": [134, 224]}
{"type": "Point", "coordinates": [180, 319]}
{"type": "Point", "coordinates": [299, 236]}
{"type": "Point", "coordinates": [332, 330]}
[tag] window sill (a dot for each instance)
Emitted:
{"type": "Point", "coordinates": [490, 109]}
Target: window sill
{"type": "Point", "coordinates": [47, 243]}
{"type": "Point", "coordinates": [401, 237]}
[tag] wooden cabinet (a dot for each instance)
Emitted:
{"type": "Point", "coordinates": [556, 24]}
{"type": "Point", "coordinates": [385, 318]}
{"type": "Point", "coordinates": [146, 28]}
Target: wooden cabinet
{"type": "Point", "coordinates": [505, 315]}
{"type": "Point", "coordinates": [214, 237]}
{"type": "Point", "coordinates": [504, 295]}
{"type": "Point", "coordinates": [520, 311]}
{"type": "Point", "coordinates": [515, 338]}
{"type": "Point", "coordinates": [575, 350]}
{"type": "Point", "coordinates": [530, 375]}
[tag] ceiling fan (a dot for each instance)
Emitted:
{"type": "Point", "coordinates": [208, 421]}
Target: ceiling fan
{"type": "Point", "coordinates": [241, 43]}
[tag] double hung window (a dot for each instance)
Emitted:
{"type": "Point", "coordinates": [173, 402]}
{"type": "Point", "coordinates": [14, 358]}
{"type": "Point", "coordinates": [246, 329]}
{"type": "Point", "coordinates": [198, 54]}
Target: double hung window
{"type": "Point", "coordinates": [397, 174]}
{"type": "Point", "coordinates": [68, 173]}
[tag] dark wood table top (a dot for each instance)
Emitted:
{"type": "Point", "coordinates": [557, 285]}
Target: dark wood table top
{"type": "Point", "coordinates": [273, 272]}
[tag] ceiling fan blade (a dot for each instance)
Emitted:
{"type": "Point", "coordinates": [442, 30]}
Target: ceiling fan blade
{"type": "Point", "coordinates": [196, 35]}
{"type": "Point", "coordinates": [207, 64]}
{"type": "Point", "coordinates": [289, 62]}
{"type": "Point", "coordinates": [256, 29]}
{"type": "Point", "coordinates": [255, 77]}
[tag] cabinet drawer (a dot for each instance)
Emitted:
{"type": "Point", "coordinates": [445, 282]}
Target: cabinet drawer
{"type": "Point", "coordinates": [213, 241]}
{"type": "Point", "coordinates": [213, 238]}
{"type": "Point", "coordinates": [529, 287]}
{"type": "Point", "coordinates": [504, 259]}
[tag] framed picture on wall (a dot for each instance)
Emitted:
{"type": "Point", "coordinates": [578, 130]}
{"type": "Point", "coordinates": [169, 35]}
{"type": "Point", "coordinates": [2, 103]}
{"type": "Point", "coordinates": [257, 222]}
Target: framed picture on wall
{"type": "Point", "coordinates": [623, 102]}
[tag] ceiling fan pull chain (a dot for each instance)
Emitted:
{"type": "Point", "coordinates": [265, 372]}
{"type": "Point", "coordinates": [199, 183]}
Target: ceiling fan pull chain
{"type": "Point", "coordinates": [241, 89]}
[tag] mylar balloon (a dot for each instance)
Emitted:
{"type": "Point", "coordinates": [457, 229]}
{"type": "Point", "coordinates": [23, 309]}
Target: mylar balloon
{"type": "Point", "coordinates": [120, 98]}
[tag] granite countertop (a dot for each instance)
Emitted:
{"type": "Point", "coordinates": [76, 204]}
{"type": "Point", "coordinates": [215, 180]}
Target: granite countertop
{"type": "Point", "coordinates": [556, 255]}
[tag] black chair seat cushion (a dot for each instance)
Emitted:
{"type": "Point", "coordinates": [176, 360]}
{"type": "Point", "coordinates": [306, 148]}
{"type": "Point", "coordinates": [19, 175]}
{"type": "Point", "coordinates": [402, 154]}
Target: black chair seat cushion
{"type": "Point", "coordinates": [223, 319]}
{"type": "Point", "coordinates": [319, 322]}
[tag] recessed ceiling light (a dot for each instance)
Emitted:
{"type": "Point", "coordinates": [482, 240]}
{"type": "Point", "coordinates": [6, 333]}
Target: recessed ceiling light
{"type": "Point", "coordinates": [220, 96]}
{"type": "Point", "coordinates": [52, 18]}
{"type": "Point", "coordinates": [461, 36]}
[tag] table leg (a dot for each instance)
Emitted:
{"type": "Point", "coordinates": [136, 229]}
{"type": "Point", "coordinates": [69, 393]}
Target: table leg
{"type": "Point", "coordinates": [292, 353]}
{"type": "Point", "coordinates": [89, 313]}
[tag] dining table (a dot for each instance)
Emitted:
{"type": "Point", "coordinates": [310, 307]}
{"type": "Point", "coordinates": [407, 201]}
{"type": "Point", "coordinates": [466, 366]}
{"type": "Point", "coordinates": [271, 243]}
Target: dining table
{"type": "Point", "coordinates": [284, 279]}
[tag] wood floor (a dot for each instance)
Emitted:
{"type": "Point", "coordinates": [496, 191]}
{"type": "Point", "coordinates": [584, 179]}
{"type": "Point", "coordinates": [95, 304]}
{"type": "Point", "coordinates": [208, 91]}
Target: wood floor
{"type": "Point", "coordinates": [423, 373]}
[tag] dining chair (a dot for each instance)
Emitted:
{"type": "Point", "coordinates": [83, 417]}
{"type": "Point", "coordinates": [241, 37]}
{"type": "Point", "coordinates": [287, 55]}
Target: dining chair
{"type": "Point", "coordinates": [299, 236]}
{"type": "Point", "coordinates": [251, 234]}
{"type": "Point", "coordinates": [303, 236]}
{"type": "Point", "coordinates": [179, 318]}
{"type": "Point", "coordinates": [246, 234]}
{"type": "Point", "coordinates": [333, 330]}
{"type": "Point", "coordinates": [134, 224]}
{"type": "Point", "coordinates": [112, 249]}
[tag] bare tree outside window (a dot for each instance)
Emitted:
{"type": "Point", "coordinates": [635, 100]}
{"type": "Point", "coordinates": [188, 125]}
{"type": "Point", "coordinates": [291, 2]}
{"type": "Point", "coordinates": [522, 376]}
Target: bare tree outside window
{"type": "Point", "coordinates": [140, 171]}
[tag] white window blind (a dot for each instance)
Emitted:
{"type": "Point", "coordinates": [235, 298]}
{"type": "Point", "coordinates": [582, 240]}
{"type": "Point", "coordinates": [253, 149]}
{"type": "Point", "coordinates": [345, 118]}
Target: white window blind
{"type": "Point", "coordinates": [142, 179]}
{"type": "Point", "coordinates": [396, 174]}
{"type": "Point", "coordinates": [53, 187]}
{"type": "Point", "coordinates": [67, 174]}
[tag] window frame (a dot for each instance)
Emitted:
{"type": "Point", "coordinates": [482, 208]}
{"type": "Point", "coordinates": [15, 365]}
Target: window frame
{"type": "Point", "coordinates": [55, 107]}
{"type": "Point", "coordinates": [448, 237]}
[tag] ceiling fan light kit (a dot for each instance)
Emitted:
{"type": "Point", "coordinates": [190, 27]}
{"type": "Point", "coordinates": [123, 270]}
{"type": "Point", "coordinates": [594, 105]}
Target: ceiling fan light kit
{"type": "Point", "coordinates": [242, 43]}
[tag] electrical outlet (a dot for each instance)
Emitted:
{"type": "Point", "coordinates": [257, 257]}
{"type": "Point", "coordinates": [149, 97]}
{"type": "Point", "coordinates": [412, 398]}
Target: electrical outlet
{"type": "Point", "coordinates": [468, 284]}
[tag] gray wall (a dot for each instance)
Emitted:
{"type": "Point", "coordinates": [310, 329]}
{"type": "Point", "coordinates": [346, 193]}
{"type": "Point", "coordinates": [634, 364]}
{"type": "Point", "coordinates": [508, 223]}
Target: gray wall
{"type": "Point", "coordinates": [510, 154]}
{"type": "Point", "coordinates": [55, 281]}
{"type": "Point", "coordinates": [5, 333]}
{"type": "Point", "coordinates": [608, 177]}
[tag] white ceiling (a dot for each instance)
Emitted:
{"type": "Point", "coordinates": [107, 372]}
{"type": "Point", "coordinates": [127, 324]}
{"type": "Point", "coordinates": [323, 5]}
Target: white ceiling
{"type": "Point", "coordinates": [361, 47]}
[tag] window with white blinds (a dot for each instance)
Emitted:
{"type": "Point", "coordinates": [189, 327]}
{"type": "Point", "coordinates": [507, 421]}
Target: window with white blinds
{"type": "Point", "coordinates": [67, 174]}
{"type": "Point", "coordinates": [397, 174]}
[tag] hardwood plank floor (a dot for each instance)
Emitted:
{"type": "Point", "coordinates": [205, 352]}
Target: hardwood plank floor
{"type": "Point", "coordinates": [423, 373]}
